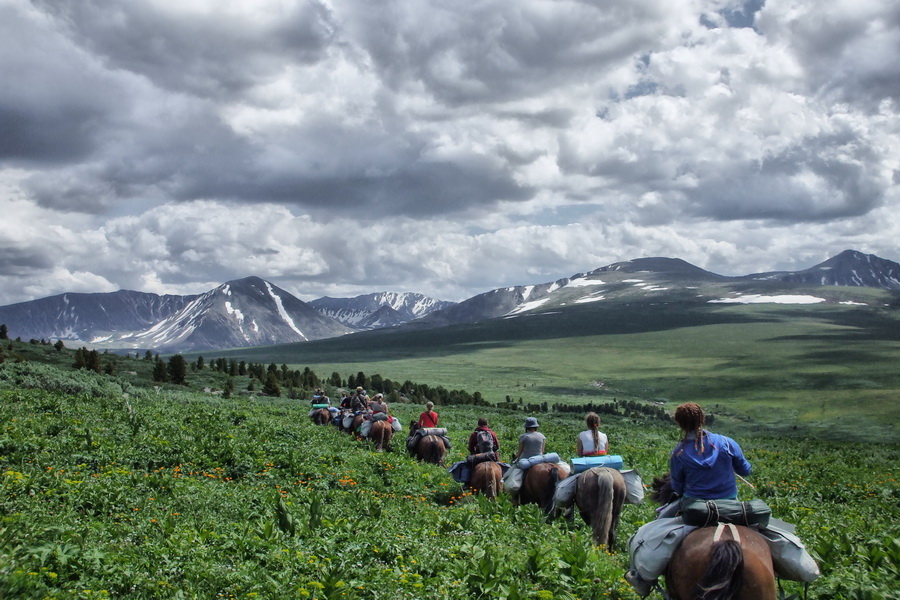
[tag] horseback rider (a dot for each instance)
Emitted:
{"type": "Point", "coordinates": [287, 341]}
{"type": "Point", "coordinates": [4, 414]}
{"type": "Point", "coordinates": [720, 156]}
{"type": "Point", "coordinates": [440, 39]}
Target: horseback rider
{"type": "Point", "coordinates": [592, 441]}
{"type": "Point", "coordinates": [532, 442]}
{"type": "Point", "coordinates": [379, 408]}
{"type": "Point", "coordinates": [703, 466]}
{"type": "Point", "coordinates": [359, 402]}
{"type": "Point", "coordinates": [488, 441]}
{"type": "Point", "coordinates": [428, 418]}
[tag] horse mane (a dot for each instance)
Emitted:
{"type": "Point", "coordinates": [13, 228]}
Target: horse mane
{"type": "Point", "coordinates": [662, 492]}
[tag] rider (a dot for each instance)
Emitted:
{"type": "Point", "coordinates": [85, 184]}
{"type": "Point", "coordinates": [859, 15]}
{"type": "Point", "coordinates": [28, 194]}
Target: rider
{"type": "Point", "coordinates": [473, 438]}
{"type": "Point", "coordinates": [592, 441]}
{"type": "Point", "coordinates": [359, 402]}
{"type": "Point", "coordinates": [428, 418]}
{"type": "Point", "coordinates": [379, 408]}
{"type": "Point", "coordinates": [532, 442]}
{"type": "Point", "coordinates": [702, 465]}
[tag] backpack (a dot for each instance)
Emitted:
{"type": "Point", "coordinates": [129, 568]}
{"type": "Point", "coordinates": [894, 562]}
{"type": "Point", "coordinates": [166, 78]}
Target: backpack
{"type": "Point", "coordinates": [484, 441]}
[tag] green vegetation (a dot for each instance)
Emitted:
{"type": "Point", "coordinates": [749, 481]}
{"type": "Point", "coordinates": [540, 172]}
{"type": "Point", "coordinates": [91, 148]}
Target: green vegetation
{"type": "Point", "coordinates": [110, 487]}
{"type": "Point", "coordinates": [825, 371]}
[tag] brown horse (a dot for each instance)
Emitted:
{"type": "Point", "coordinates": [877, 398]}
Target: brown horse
{"type": "Point", "coordinates": [599, 495]}
{"type": "Point", "coordinates": [539, 485]}
{"type": "Point", "coordinates": [381, 434]}
{"type": "Point", "coordinates": [487, 478]}
{"type": "Point", "coordinates": [731, 563]}
{"type": "Point", "coordinates": [429, 448]}
{"type": "Point", "coordinates": [321, 416]}
{"type": "Point", "coordinates": [355, 425]}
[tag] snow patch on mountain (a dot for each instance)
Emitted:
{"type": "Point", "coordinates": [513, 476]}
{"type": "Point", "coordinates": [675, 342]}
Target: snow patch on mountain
{"type": "Point", "coordinates": [760, 299]}
{"type": "Point", "coordinates": [584, 282]}
{"type": "Point", "coordinates": [281, 312]}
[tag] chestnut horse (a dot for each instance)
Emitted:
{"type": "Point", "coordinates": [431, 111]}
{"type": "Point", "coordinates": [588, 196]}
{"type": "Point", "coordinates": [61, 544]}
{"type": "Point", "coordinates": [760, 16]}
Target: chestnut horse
{"type": "Point", "coordinates": [487, 478]}
{"type": "Point", "coordinates": [539, 485]}
{"type": "Point", "coordinates": [381, 434]}
{"type": "Point", "coordinates": [429, 448]}
{"type": "Point", "coordinates": [715, 563]}
{"type": "Point", "coordinates": [321, 416]}
{"type": "Point", "coordinates": [355, 425]}
{"type": "Point", "coordinates": [599, 495]}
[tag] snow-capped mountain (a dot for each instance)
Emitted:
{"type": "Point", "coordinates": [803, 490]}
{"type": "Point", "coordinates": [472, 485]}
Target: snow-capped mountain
{"type": "Point", "coordinates": [245, 312]}
{"type": "Point", "coordinates": [849, 268]}
{"type": "Point", "coordinates": [379, 310]}
{"type": "Point", "coordinates": [254, 312]}
{"type": "Point", "coordinates": [659, 278]}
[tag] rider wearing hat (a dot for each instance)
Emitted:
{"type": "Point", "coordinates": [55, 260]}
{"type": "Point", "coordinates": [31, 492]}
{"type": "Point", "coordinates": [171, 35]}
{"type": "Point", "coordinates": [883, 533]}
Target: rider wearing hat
{"type": "Point", "coordinates": [532, 442]}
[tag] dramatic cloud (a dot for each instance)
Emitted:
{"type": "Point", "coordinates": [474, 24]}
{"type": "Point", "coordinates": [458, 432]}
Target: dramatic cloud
{"type": "Point", "coordinates": [340, 148]}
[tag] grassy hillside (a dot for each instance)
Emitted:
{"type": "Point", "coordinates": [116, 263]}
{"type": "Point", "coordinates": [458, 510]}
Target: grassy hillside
{"type": "Point", "coordinates": [111, 490]}
{"type": "Point", "coordinates": [828, 371]}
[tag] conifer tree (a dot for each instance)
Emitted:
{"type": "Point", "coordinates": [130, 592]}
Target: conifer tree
{"type": "Point", "coordinates": [160, 373]}
{"type": "Point", "coordinates": [271, 387]}
{"type": "Point", "coordinates": [4, 332]}
{"type": "Point", "coordinates": [93, 361]}
{"type": "Point", "coordinates": [177, 369]}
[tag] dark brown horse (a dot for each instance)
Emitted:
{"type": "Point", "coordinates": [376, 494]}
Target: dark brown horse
{"type": "Point", "coordinates": [381, 434]}
{"type": "Point", "coordinates": [539, 485]}
{"type": "Point", "coordinates": [599, 495]}
{"type": "Point", "coordinates": [355, 425]}
{"type": "Point", "coordinates": [486, 478]}
{"type": "Point", "coordinates": [429, 448]}
{"type": "Point", "coordinates": [321, 416]}
{"type": "Point", "coordinates": [718, 563]}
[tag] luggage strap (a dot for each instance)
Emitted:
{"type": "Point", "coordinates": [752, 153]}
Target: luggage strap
{"type": "Point", "coordinates": [720, 529]}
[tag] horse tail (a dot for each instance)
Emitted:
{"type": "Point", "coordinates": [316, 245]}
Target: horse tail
{"type": "Point", "coordinates": [437, 451]}
{"type": "Point", "coordinates": [601, 521]}
{"type": "Point", "coordinates": [550, 491]}
{"type": "Point", "coordinates": [492, 483]}
{"type": "Point", "coordinates": [724, 576]}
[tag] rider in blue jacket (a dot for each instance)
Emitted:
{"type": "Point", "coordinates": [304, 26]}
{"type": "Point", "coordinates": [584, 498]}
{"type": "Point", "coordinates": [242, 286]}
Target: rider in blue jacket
{"type": "Point", "coordinates": [703, 464]}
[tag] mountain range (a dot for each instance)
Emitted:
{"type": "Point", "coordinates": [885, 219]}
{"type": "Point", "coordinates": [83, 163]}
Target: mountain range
{"type": "Point", "coordinates": [254, 312]}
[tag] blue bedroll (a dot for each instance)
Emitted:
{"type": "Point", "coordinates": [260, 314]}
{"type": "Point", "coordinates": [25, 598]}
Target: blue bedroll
{"type": "Point", "coordinates": [583, 463]}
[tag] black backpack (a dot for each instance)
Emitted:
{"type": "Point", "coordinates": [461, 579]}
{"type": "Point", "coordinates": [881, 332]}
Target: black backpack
{"type": "Point", "coordinates": [484, 441]}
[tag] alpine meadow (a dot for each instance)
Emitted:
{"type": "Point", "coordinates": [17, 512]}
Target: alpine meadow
{"type": "Point", "coordinates": [116, 486]}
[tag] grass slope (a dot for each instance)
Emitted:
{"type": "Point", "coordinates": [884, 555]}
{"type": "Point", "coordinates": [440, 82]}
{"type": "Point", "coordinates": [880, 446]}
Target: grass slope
{"type": "Point", "coordinates": [114, 491]}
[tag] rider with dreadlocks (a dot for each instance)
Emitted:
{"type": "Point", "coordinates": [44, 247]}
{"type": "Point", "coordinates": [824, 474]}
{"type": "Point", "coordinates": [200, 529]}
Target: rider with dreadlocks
{"type": "Point", "coordinates": [702, 465]}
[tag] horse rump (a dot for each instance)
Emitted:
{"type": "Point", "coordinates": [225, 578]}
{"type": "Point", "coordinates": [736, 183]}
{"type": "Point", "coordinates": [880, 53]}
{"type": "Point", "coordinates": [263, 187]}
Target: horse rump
{"type": "Point", "coordinates": [724, 576]}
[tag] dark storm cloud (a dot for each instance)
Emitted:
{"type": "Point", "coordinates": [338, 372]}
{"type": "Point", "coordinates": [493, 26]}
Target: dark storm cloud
{"type": "Point", "coordinates": [54, 102]}
{"type": "Point", "coordinates": [496, 51]}
{"type": "Point", "coordinates": [217, 57]}
{"type": "Point", "coordinates": [167, 146]}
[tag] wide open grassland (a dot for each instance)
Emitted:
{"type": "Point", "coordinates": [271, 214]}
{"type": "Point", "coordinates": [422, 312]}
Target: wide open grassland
{"type": "Point", "coordinates": [768, 368]}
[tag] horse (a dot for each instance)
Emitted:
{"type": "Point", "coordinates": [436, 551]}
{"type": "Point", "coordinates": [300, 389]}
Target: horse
{"type": "Point", "coordinates": [381, 434]}
{"type": "Point", "coordinates": [599, 495]}
{"type": "Point", "coordinates": [709, 565]}
{"type": "Point", "coordinates": [539, 485]}
{"type": "Point", "coordinates": [487, 478]}
{"type": "Point", "coordinates": [355, 425]}
{"type": "Point", "coordinates": [429, 448]}
{"type": "Point", "coordinates": [321, 416]}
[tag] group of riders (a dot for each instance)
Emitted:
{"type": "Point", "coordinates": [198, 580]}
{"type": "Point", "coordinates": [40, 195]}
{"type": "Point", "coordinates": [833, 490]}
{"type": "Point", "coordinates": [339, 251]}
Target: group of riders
{"type": "Point", "coordinates": [703, 467]}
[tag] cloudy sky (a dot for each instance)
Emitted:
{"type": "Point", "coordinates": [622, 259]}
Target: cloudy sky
{"type": "Point", "coordinates": [339, 147]}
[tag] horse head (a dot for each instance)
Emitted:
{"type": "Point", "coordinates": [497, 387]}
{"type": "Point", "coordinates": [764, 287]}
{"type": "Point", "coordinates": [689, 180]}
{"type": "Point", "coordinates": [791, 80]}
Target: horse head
{"type": "Point", "coordinates": [662, 490]}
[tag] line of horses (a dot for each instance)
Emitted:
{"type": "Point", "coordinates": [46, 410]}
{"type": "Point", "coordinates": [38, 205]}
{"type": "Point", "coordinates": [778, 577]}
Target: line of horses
{"type": "Point", "coordinates": [703, 567]}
